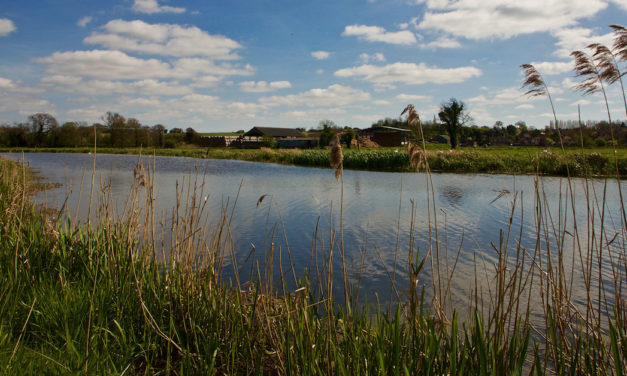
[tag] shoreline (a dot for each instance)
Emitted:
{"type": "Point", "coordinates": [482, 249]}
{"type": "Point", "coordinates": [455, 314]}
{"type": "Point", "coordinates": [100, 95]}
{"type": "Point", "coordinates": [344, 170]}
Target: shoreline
{"type": "Point", "coordinates": [517, 160]}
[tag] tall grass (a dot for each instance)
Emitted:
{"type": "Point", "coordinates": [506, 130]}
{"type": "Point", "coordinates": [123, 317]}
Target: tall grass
{"type": "Point", "coordinates": [141, 293]}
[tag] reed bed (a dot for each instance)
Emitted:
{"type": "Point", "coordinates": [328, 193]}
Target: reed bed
{"type": "Point", "coordinates": [136, 292]}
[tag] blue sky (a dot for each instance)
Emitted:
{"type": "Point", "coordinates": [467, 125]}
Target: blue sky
{"type": "Point", "coordinates": [229, 65]}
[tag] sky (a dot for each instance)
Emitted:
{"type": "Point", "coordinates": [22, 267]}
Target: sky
{"type": "Point", "coordinates": [226, 65]}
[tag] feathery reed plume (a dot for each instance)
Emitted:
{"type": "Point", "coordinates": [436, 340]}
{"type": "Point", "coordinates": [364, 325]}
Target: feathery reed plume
{"type": "Point", "coordinates": [336, 156]}
{"type": "Point", "coordinates": [534, 81]}
{"type": "Point", "coordinates": [608, 66]}
{"type": "Point", "coordinates": [586, 68]}
{"type": "Point", "coordinates": [605, 62]}
{"type": "Point", "coordinates": [412, 116]}
{"type": "Point", "coordinates": [413, 150]}
{"type": "Point", "coordinates": [620, 42]}
{"type": "Point", "coordinates": [415, 155]}
{"type": "Point", "coordinates": [537, 87]}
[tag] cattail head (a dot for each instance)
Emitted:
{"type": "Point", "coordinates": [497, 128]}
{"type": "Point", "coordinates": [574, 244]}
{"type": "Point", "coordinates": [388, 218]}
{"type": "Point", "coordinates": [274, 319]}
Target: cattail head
{"type": "Point", "coordinates": [585, 67]}
{"type": "Point", "coordinates": [620, 42]}
{"type": "Point", "coordinates": [533, 81]}
{"type": "Point", "coordinates": [336, 156]}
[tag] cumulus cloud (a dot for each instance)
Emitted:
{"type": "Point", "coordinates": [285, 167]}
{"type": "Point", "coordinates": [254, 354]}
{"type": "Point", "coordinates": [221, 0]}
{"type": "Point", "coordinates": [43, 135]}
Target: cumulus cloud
{"type": "Point", "coordinates": [379, 34]}
{"type": "Point", "coordinates": [104, 65]}
{"type": "Point", "coordinates": [163, 39]}
{"type": "Point", "coordinates": [5, 83]}
{"type": "Point", "coordinates": [116, 65]}
{"type": "Point", "coordinates": [152, 6]}
{"type": "Point", "coordinates": [84, 21]}
{"type": "Point", "coordinates": [263, 86]}
{"type": "Point", "coordinates": [6, 27]}
{"type": "Point", "coordinates": [553, 67]}
{"type": "Point", "coordinates": [504, 19]}
{"type": "Point", "coordinates": [578, 38]}
{"type": "Point", "coordinates": [321, 55]}
{"type": "Point", "coordinates": [377, 57]}
{"type": "Point", "coordinates": [76, 85]}
{"type": "Point", "coordinates": [442, 42]}
{"type": "Point", "coordinates": [334, 95]}
{"type": "Point", "coordinates": [409, 74]}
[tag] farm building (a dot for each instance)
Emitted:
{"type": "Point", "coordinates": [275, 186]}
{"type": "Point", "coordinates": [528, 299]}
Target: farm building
{"type": "Point", "coordinates": [276, 133]}
{"type": "Point", "coordinates": [387, 136]}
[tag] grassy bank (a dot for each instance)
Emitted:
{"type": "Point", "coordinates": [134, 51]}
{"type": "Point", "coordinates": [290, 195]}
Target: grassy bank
{"type": "Point", "coordinates": [598, 162]}
{"type": "Point", "coordinates": [95, 300]}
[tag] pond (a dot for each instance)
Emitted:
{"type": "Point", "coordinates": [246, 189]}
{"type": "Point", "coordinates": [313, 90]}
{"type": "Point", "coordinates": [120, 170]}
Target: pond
{"type": "Point", "coordinates": [462, 219]}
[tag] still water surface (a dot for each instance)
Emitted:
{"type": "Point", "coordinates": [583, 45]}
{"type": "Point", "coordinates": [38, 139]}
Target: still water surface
{"type": "Point", "coordinates": [470, 211]}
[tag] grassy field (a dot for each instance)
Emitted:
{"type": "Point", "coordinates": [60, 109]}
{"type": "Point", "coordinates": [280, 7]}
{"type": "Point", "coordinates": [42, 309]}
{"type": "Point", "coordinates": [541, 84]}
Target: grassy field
{"type": "Point", "coordinates": [495, 159]}
{"type": "Point", "coordinates": [94, 300]}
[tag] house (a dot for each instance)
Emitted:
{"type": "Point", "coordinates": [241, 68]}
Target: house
{"type": "Point", "coordinates": [386, 136]}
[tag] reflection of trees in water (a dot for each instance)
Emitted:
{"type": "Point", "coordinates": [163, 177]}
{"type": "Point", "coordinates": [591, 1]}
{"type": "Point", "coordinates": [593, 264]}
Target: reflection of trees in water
{"type": "Point", "coordinates": [452, 195]}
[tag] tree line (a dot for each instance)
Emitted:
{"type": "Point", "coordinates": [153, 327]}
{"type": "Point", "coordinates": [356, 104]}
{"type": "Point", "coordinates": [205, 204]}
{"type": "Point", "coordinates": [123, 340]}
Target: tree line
{"type": "Point", "coordinates": [43, 130]}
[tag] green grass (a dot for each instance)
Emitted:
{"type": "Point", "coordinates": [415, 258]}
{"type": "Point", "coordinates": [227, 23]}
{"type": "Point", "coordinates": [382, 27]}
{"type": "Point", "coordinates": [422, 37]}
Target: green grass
{"type": "Point", "coordinates": [597, 162]}
{"type": "Point", "coordinates": [91, 300]}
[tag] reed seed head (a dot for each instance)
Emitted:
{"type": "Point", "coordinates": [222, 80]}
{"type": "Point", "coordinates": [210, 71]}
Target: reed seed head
{"type": "Point", "coordinates": [605, 62]}
{"type": "Point", "coordinates": [620, 42]}
{"type": "Point", "coordinates": [533, 81]}
{"type": "Point", "coordinates": [336, 158]}
{"type": "Point", "coordinates": [412, 115]}
{"type": "Point", "coordinates": [585, 67]}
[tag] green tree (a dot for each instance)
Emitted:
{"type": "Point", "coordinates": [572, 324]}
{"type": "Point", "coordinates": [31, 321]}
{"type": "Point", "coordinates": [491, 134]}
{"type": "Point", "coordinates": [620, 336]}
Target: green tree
{"type": "Point", "coordinates": [42, 124]}
{"type": "Point", "coordinates": [453, 116]}
{"type": "Point", "coordinates": [190, 135]}
{"type": "Point", "coordinates": [116, 124]}
{"type": "Point", "coordinates": [327, 131]}
{"type": "Point", "coordinates": [348, 136]}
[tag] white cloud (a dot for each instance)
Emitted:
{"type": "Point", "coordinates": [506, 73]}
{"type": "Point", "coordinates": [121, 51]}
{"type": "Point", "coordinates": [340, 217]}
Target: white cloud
{"type": "Point", "coordinates": [152, 87]}
{"type": "Point", "coordinates": [553, 67]}
{"type": "Point", "coordinates": [321, 55]}
{"type": "Point", "coordinates": [377, 57]}
{"type": "Point", "coordinates": [24, 104]}
{"type": "Point", "coordinates": [412, 97]}
{"type": "Point", "coordinates": [164, 39]}
{"type": "Point", "coordinates": [84, 21]}
{"type": "Point", "coordinates": [504, 19]}
{"type": "Point", "coordinates": [319, 71]}
{"type": "Point", "coordinates": [263, 86]}
{"type": "Point", "coordinates": [334, 95]}
{"type": "Point", "coordinates": [620, 3]}
{"type": "Point", "coordinates": [103, 65]}
{"type": "Point", "coordinates": [116, 65]}
{"type": "Point", "coordinates": [510, 95]}
{"type": "Point", "coordinates": [569, 40]}
{"type": "Point", "coordinates": [152, 6]}
{"type": "Point", "coordinates": [5, 83]}
{"type": "Point", "coordinates": [6, 27]}
{"type": "Point", "coordinates": [409, 73]}
{"type": "Point", "coordinates": [525, 106]}
{"type": "Point", "coordinates": [442, 42]}
{"type": "Point", "coordinates": [379, 34]}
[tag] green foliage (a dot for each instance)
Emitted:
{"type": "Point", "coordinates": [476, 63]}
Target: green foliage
{"type": "Point", "coordinates": [452, 114]}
